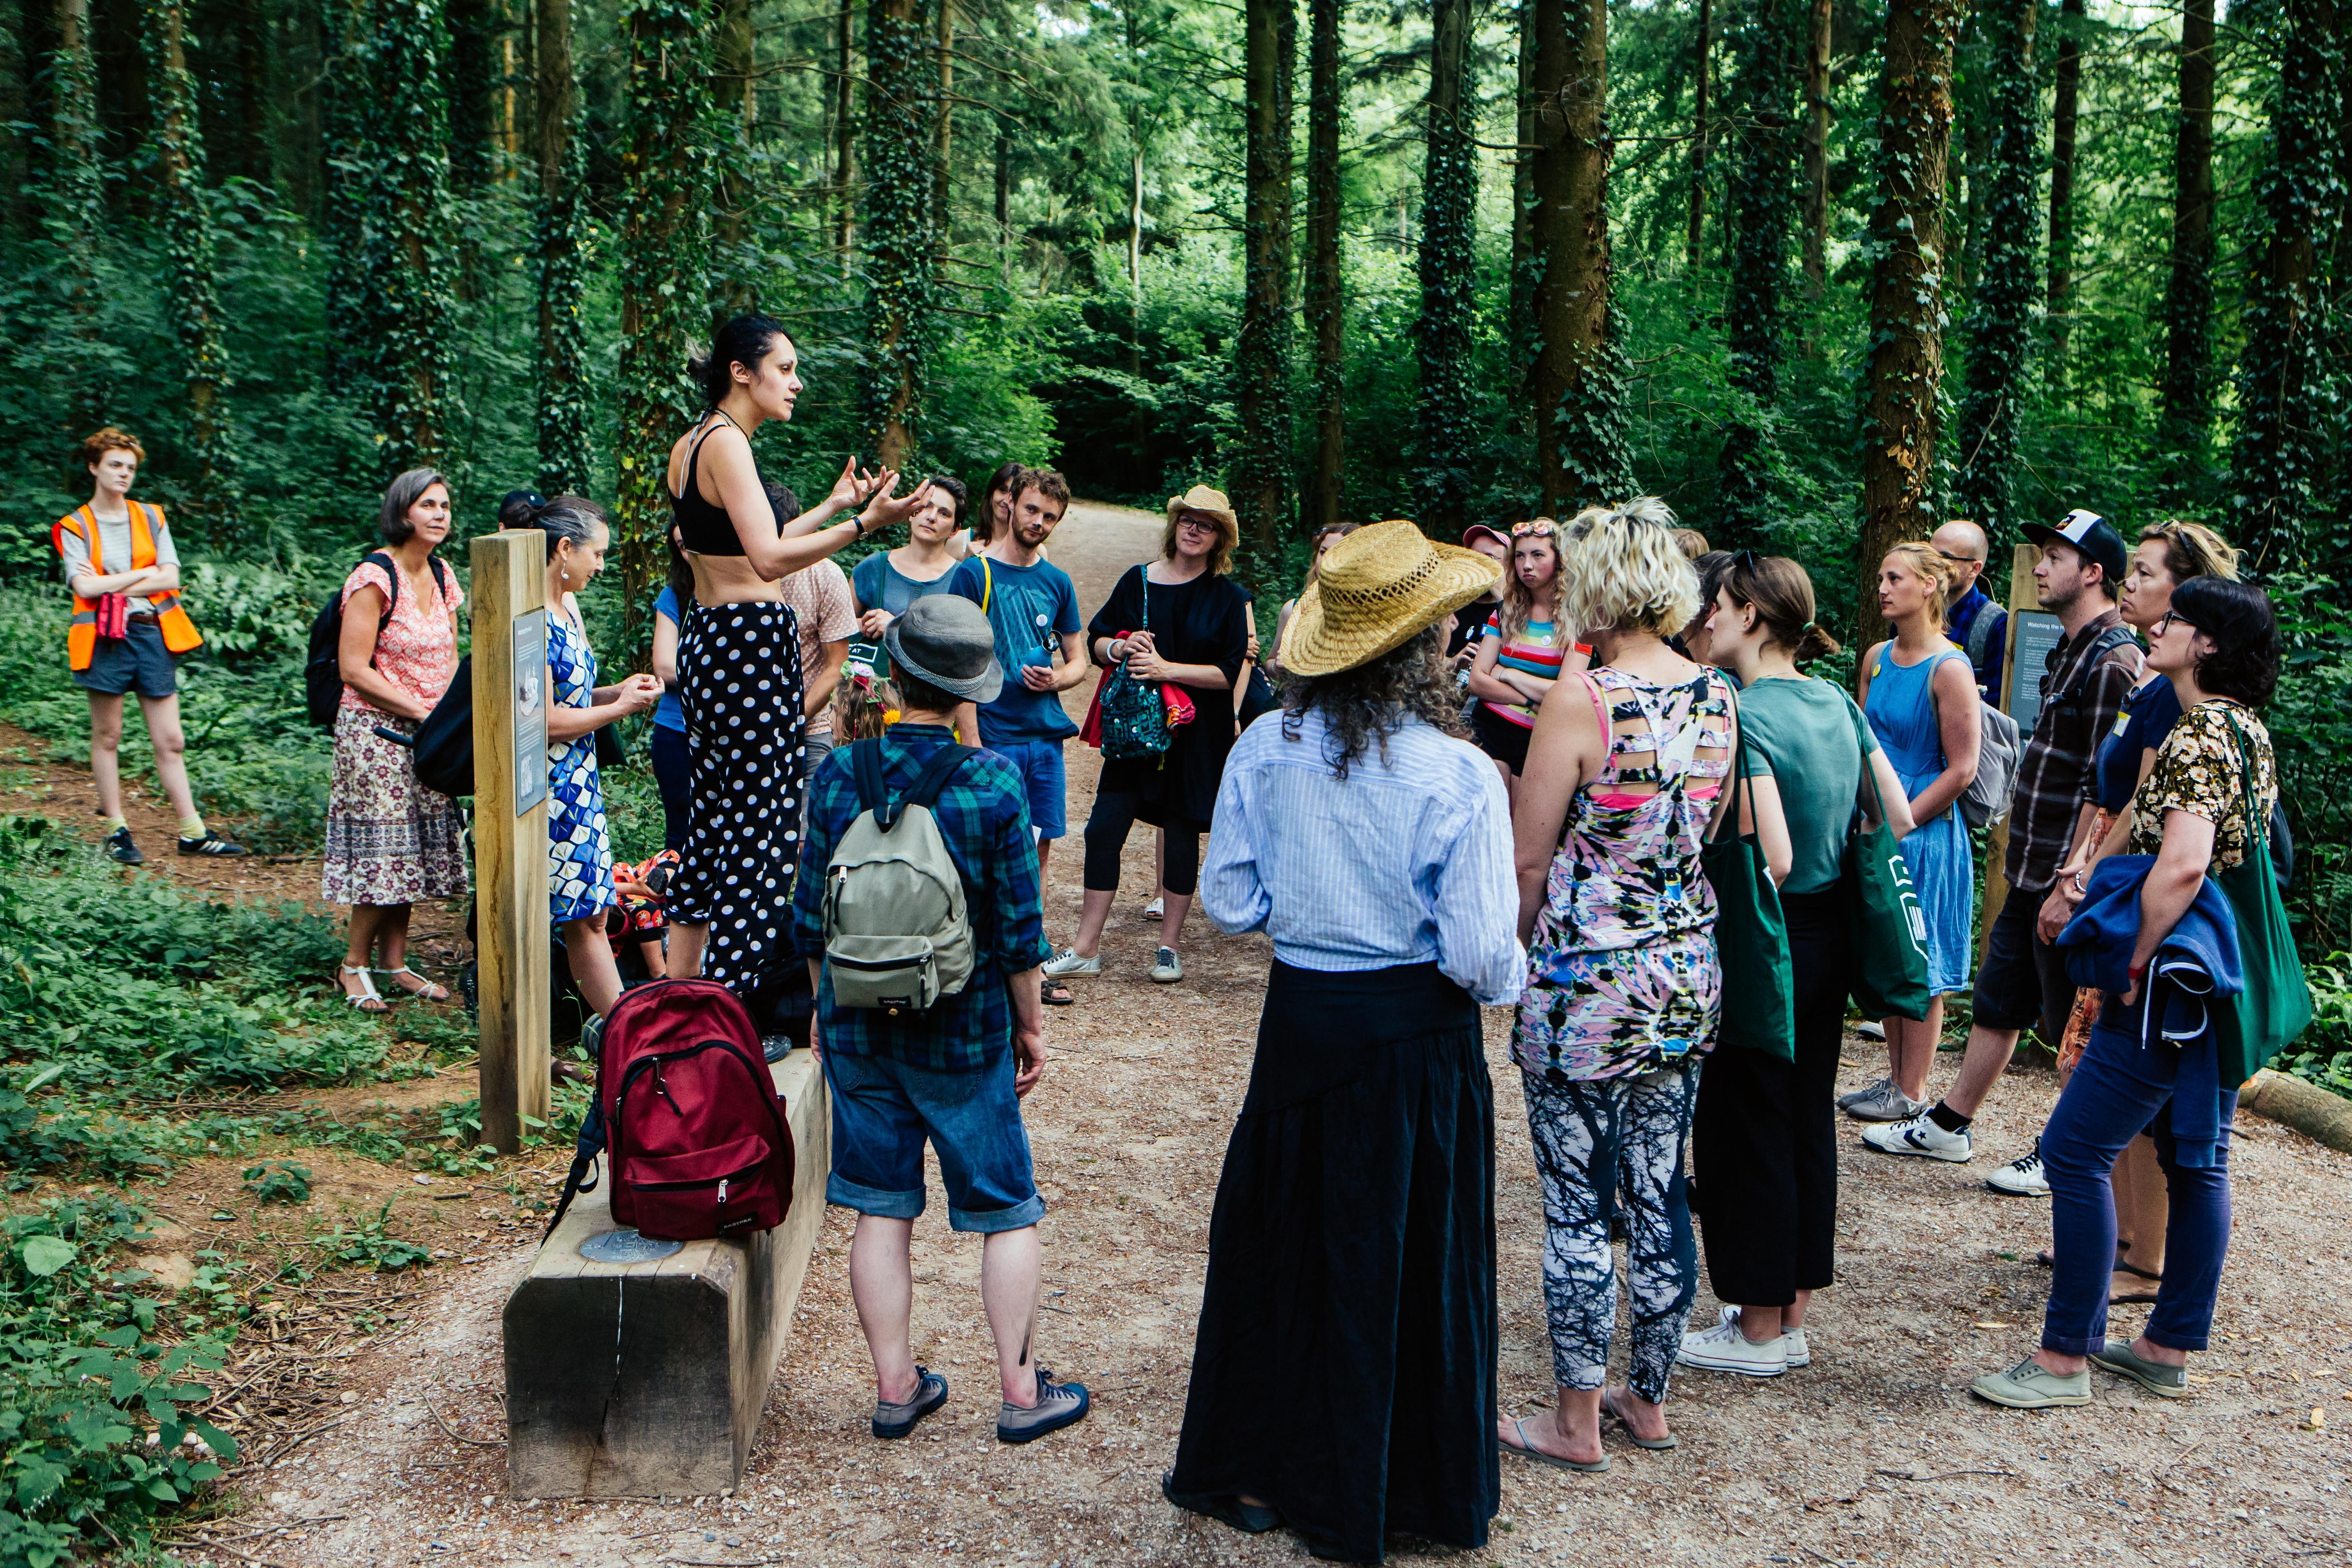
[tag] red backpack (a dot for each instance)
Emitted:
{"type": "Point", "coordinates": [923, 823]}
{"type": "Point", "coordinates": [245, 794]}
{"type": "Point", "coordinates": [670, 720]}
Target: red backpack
{"type": "Point", "coordinates": [698, 1143]}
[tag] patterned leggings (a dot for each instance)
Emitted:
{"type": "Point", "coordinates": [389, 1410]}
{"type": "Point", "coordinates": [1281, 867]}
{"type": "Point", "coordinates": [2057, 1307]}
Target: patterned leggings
{"type": "Point", "coordinates": [1599, 1140]}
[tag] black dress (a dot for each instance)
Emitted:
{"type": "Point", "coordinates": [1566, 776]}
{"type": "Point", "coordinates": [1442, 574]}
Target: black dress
{"type": "Point", "coordinates": [1344, 1372]}
{"type": "Point", "coordinates": [1199, 622]}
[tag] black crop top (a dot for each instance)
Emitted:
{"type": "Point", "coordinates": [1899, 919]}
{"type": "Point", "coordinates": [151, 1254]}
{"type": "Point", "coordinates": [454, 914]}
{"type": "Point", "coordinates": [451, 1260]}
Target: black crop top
{"type": "Point", "coordinates": [704, 527]}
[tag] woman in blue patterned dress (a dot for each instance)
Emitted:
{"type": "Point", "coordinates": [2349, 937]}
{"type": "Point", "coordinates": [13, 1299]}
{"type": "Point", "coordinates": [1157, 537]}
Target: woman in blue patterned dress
{"type": "Point", "coordinates": [578, 848]}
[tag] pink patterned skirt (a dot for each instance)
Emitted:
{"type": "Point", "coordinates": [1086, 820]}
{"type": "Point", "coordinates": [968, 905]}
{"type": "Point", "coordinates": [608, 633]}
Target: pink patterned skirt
{"type": "Point", "coordinates": [390, 840]}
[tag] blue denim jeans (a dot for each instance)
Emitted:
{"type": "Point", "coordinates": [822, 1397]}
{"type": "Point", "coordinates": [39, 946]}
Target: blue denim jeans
{"type": "Point", "coordinates": [883, 1109]}
{"type": "Point", "coordinates": [2121, 1089]}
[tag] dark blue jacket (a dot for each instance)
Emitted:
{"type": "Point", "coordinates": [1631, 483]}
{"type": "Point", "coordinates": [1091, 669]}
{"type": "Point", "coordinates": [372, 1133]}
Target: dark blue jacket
{"type": "Point", "coordinates": [2196, 964]}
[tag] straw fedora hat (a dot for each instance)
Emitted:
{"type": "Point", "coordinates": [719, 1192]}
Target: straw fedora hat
{"type": "Point", "coordinates": [1375, 589]}
{"type": "Point", "coordinates": [1202, 498]}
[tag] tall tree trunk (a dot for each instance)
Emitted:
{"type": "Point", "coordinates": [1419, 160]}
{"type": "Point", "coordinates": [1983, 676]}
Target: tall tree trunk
{"type": "Point", "coordinates": [1326, 314]}
{"type": "Point", "coordinates": [1004, 200]}
{"type": "Point", "coordinates": [76, 201]}
{"type": "Point", "coordinates": [1578, 384]}
{"type": "Point", "coordinates": [1262, 355]}
{"type": "Point", "coordinates": [1964, 257]}
{"type": "Point", "coordinates": [349, 156]}
{"type": "Point", "coordinates": [900, 95]}
{"type": "Point", "coordinates": [1694, 240]}
{"type": "Point", "coordinates": [844, 131]}
{"type": "Point", "coordinates": [1817, 147]}
{"type": "Point", "coordinates": [566, 448]}
{"type": "Point", "coordinates": [1449, 201]}
{"type": "Point", "coordinates": [2283, 385]}
{"type": "Point", "coordinates": [1907, 287]}
{"type": "Point", "coordinates": [665, 178]}
{"type": "Point", "coordinates": [734, 64]}
{"type": "Point", "coordinates": [1766, 38]}
{"type": "Point", "coordinates": [411, 271]}
{"type": "Point", "coordinates": [2186, 416]}
{"type": "Point", "coordinates": [471, 79]}
{"type": "Point", "coordinates": [234, 94]}
{"type": "Point", "coordinates": [942, 151]}
{"type": "Point", "coordinates": [2001, 301]}
{"type": "Point", "coordinates": [195, 300]}
{"type": "Point", "coordinates": [2065, 100]}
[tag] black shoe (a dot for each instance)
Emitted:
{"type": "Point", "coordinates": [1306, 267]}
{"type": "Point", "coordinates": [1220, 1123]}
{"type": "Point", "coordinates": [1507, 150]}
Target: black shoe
{"type": "Point", "coordinates": [1248, 1518]}
{"type": "Point", "coordinates": [210, 844]}
{"type": "Point", "coordinates": [118, 845]}
{"type": "Point", "coordinates": [897, 1420]}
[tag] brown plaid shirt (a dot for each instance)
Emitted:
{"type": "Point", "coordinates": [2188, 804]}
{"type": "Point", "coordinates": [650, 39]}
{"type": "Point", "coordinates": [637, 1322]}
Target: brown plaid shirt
{"type": "Point", "coordinates": [2054, 772]}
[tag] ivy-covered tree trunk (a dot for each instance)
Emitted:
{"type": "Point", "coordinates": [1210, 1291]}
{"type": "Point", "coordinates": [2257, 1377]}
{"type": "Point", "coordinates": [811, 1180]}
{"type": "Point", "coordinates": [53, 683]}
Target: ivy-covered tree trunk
{"type": "Point", "coordinates": [565, 448]}
{"type": "Point", "coordinates": [471, 79]}
{"type": "Point", "coordinates": [2283, 378]}
{"type": "Point", "coordinates": [195, 298]}
{"type": "Point", "coordinates": [349, 154]}
{"type": "Point", "coordinates": [1449, 203]}
{"type": "Point", "coordinates": [1766, 37]}
{"type": "Point", "coordinates": [1326, 315]}
{"type": "Point", "coordinates": [2186, 417]}
{"type": "Point", "coordinates": [2065, 100]}
{"type": "Point", "coordinates": [901, 95]}
{"type": "Point", "coordinates": [1816, 184]}
{"type": "Point", "coordinates": [1262, 355]}
{"type": "Point", "coordinates": [944, 155]}
{"type": "Point", "coordinates": [410, 267]}
{"type": "Point", "coordinates": [1906, 289]}
{"type": "Point", "coordinates": [734, 270]}
{"type": "Point", "coordinates": [666, 173]}
{"type": "Point", "coordinates": [1578, 384]}
{"type": "Point", "coordinates": [2007, 288]}
{"type": "Point", "coordinates": [844, 132]}
{"type": "Point", "coordinates": [1522, 307]}
{"type": "Point", "coordinates": [1693, 238]}
{"type": "Point", "coordinates": [75, 200]}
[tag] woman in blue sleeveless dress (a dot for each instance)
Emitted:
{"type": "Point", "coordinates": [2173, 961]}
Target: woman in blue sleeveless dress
{"type": "Point", "coordinates": [1920, 694]}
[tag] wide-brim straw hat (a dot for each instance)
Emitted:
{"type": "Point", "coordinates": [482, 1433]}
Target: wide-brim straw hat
{"type": "Point", "coordinates": [1375, 589]}
{"type": "Point", "coordinates": [1202, 498]}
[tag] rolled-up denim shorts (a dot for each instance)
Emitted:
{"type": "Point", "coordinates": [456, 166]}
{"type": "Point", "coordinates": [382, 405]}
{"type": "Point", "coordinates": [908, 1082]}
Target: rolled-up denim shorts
{"type": "Point", "coordinates": [884, 1110]}
{"type": "Point", "coordinates": [137, 661]}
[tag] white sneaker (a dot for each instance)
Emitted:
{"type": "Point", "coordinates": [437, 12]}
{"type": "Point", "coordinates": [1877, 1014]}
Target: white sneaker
{"type": "Point", "coordinates": [2021, 1177]}
{"type": "Point", "coordinates": [1067, 961]}
{"type": "Point", "coordinates": [1920, 1135]}
{"type": "Point", "coordinates": [1157, 910]}
{"type": "Point", "coordinates": [1724, 1348]}
{"type": "Point", "coordinates": [1166, 967]}
{"type": "Point", "coordinates": [1873, 1030]}
{"type": "Point", "coordinates": [1799, 1353]}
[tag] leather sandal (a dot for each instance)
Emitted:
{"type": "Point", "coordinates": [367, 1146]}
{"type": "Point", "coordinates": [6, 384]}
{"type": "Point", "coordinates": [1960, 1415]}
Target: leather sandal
{"type": "Point", "coordinates": [424, 990]}
{"type": "Point", "coordinates": [2135, 1297]}
{"type": "Point", "coordinates": [365, 998]}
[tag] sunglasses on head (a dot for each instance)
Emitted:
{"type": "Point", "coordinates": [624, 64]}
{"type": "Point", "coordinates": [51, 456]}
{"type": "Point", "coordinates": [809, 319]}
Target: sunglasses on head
{"type": "Point", "coordinates": [1541, 528]}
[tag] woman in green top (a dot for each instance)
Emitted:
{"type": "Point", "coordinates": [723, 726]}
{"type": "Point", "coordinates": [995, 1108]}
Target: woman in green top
{"type": "Point", "coordinates": [1764, 1138]}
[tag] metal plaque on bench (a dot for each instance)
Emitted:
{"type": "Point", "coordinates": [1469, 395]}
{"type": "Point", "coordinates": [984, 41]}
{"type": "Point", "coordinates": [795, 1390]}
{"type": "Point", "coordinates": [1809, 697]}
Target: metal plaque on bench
{"type": "Point", "coordinates": [628, 1246]}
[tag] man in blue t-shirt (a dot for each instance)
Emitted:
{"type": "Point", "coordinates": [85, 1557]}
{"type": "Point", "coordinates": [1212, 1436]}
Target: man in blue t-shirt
{"type": "Point", "coordinates": [1034, 607]}
{"type": "Point", "coordinates": [1971, 619]}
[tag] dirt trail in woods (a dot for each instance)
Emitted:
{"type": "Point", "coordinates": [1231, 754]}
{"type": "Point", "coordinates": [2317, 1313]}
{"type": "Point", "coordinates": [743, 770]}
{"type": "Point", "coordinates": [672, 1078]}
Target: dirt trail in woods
{"type": "Point", "coordinates": [1873, 1453]}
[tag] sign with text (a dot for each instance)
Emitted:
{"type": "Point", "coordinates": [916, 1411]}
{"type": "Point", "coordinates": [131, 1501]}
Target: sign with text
{"type": "Point", "coordinates": [530, 710]}
{"type": "Point", "coordinates": [2034, 635]}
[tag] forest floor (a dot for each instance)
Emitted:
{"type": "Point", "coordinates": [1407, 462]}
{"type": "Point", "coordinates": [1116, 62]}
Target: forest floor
{"type": "Point", "coordinates": [385, 1445]}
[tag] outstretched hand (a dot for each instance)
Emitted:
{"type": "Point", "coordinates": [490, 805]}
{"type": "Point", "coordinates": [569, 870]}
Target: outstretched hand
{"type": "Point", "coordinates": [887, 508]}
{"type": "Point", "coordinates": [850, 490]}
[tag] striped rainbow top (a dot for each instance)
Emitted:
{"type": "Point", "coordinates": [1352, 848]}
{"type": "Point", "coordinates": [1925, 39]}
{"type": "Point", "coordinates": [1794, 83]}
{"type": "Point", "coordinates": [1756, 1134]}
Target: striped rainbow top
{"type": "Point", "coordinates": [1536, 653]}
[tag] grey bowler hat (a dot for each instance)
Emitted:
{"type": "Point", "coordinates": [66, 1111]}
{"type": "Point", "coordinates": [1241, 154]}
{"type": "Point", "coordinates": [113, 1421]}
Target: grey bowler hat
{"type": "Point", "coordinates": [945, 641]}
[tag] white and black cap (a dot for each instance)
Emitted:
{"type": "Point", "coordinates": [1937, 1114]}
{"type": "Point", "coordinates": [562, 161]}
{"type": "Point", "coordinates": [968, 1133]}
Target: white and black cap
{"type": "Point", "coordinates": [2092, 534]}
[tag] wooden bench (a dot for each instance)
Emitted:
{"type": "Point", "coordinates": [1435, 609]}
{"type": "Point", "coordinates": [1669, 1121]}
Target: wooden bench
{"type": "Point", "coordinates": [648, 1379]}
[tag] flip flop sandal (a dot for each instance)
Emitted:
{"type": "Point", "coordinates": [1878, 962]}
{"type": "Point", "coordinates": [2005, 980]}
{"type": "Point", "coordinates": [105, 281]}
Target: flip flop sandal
{"type": "Point", "coordinates": [1528, 1450]}
{"type": "Point", "coordinates": [1055, 994]}
{"type": "Point", "coordinates": [2045, 1258]}
{"type": "Point", "coordinates": [1656, 1444]}
{"type": "Point", "coordinates": [424, 992]}
{"type": "Point", "coordinates": [364, 999]}
{"type": "Point", "coordinates": [2134, 1297]}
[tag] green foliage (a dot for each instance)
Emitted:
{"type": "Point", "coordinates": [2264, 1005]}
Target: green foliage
{"type": "Point", "coordinates": [901, 106]}
{"type": "Point", "coordinates": [99, 1386]}
{"type": "Point", "coordinates": [1443, 336]}
{"type": "Point", "coordinates": [2007, 287]}
{"type": "Point", "coordinates": [410, 294]}
{"type": "Point", "coordinates": [367, 1243]}
{"type": "Point", "coordinates": [1765, 41]}
{"type": "Point", "coordinates": [2323, 1055]}
{"type": "Point", "coordinates": [278, 1182]}
{"type": "Point", "coordinates": [565, 446]}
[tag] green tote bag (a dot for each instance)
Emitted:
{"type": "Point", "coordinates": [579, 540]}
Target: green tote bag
{"type": "Point", "coordinates": [1890, 929]}
{"type": "Point", "coordinates": [2275, 1005]}
{"type": "Point", "coordinates": [1751, 935]}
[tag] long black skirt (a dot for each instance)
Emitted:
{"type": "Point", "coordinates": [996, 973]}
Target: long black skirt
{"type": "Point", "coordinates": [1345, 1370]}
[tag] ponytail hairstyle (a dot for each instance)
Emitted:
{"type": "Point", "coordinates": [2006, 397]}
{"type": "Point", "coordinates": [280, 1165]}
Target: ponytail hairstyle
{"type": "Point", "coordinates": [566, 519]}
{"type": "Point", "coordinates": [1781, 593]}
{"type": "Point", "coordinates": [745, 341]}
{"type": "Point", "coordinates": [1925, 562]}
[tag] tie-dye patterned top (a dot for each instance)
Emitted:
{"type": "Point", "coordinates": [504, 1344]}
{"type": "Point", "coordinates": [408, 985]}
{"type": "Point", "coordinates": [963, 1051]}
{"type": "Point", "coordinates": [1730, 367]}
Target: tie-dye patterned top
{"type": "Point", "coordinates": [1621, 972]}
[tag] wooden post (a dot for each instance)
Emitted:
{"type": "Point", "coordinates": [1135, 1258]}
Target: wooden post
{"type": "Point", "coordinates": [2022, 597]}
{"type": "Point", "coordinates": [511, 943]}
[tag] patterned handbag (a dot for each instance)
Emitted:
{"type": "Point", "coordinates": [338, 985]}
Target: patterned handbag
{"type": "Point", "coordinates": [1134, 719]}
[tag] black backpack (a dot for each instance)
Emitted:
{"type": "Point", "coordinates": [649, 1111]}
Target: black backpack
{"type": "Point", "coordinates": [323, 675]}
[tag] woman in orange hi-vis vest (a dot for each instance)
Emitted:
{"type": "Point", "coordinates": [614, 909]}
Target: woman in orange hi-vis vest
{"type": "Point", "coordinates": [127, 634]}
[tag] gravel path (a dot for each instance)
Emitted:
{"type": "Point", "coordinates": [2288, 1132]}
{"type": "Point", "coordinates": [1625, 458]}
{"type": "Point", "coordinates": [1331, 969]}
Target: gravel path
{"type": "Point", "coordinates": [1874, 1453]}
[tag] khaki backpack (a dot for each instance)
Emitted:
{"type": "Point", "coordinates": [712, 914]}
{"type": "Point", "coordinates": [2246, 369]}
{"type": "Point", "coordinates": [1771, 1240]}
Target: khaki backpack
{"type": "Point", "coordinates": [897, 935]}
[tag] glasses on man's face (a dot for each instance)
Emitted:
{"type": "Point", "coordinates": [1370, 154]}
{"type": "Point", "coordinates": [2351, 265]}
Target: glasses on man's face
{"type": "Point", "coordinates": [1957, 560]}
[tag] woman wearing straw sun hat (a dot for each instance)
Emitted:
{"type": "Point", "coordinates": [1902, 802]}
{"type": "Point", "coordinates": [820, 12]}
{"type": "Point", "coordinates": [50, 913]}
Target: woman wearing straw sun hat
{"type": "Point", "coordinates": [1343, 1383]}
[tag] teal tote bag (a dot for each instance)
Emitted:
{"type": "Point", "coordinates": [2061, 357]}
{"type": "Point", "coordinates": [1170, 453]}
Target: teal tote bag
{"type": "Point", "coordinates": [1751, 934]}
{"type": "Point", "coordinates": [1890, 929]}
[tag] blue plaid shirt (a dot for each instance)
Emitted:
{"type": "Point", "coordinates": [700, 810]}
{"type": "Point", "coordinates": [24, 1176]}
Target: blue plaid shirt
{"type": "Point", "coordinates": [983, 815]}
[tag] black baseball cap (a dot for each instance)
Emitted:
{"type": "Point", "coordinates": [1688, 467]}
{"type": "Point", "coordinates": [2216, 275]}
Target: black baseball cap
{"type": "Point", "coordinates": [2092, 534]}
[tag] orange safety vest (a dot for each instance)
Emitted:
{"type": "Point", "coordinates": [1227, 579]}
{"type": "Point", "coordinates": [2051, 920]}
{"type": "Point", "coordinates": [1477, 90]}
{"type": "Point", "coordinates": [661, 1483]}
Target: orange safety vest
{"type": "Point", "coordinates": [81, 635]}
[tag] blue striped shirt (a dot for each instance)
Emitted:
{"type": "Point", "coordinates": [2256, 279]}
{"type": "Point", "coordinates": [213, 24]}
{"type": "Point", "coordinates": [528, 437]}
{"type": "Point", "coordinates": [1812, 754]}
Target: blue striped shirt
{"type": "Point", "coordinates": [1406, 860]}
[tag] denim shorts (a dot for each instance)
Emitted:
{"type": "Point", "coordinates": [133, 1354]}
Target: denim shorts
{"type": "Point", "coordinates": [1043, 781]}
{"type": "Point", "coordinates": [137, 662]}
{"type": "Point", "coordinates": [883, 1109]}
